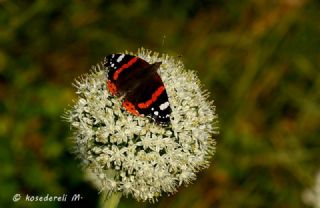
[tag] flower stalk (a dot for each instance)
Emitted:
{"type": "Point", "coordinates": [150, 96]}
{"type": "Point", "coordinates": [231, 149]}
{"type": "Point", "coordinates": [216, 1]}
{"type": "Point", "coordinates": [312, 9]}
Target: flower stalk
{"type": "Point", "coordinates": [111, 201]}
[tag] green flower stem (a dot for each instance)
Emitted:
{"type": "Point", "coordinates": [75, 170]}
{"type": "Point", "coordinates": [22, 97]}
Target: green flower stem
{"type": "Point", "coordinates": [110, 202]}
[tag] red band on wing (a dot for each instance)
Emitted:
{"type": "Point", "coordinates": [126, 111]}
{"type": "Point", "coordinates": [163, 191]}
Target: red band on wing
{"type": "Point", "coordinates": [130, 107]}
{"type": "Point", "coordinates": [154, 97]}
{"type": "Point", "coordinates": [123, 67]}
{"type": "Point", "coordinates": [112, 87]}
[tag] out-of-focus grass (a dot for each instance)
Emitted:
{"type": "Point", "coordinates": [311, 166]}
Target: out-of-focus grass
{"type": "Point", "coordinates": [260, 60]}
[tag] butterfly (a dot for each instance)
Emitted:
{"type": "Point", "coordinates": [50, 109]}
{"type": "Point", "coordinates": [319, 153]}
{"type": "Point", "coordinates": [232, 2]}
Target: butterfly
{"type": "Point", "coordinates": [140, 85]}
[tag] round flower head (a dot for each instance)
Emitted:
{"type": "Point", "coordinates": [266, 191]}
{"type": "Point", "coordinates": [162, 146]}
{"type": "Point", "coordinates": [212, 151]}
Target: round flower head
{"type": "Point", "coordinates": [130, 154]}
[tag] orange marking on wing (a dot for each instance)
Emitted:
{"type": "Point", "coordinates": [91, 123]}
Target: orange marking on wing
{"type": "Point", "coordinates": [154, 97]}
{"type": "Point", "coordinates": [124, 66]}
{"type": "Point", "coordinates": [112, 87]}
{"type": "Point", "coordinates": [130, 107]}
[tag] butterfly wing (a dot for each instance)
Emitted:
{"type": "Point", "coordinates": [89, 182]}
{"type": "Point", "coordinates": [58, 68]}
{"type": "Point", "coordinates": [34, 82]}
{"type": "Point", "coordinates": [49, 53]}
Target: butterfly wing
{"type": "Point", "coordinates": [124, 70]}
{"type": "Point", "coordinates": [150, 97]}
{"type": "Point", "coordinates": [155, 104]}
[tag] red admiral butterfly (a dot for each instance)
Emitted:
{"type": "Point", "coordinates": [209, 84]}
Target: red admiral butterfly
{"type": "Point", "coordinates": [140, 84]}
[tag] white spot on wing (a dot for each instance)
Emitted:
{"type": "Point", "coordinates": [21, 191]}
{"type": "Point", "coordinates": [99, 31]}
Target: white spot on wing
{"type": "Point", "coordinates": [163, 106]}
{"type": "Point", "coordinates": [120, 58]}
{"type": "Point", "coordinates": [156, 113]}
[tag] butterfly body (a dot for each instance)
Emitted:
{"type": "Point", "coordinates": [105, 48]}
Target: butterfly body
{"type": "Point", "coordinates": [141, 86]}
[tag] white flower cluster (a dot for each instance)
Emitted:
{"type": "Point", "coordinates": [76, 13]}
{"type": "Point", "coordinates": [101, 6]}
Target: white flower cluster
{"type": "Point", "coordinates": [312, 195]}
{"type": "Point", "coordinates": [133, 155]}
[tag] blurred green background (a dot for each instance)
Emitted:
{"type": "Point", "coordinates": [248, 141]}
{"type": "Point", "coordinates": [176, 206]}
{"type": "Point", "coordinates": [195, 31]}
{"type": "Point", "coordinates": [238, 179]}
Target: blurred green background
{"type": "Point", "coordinates": [259, 59]}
